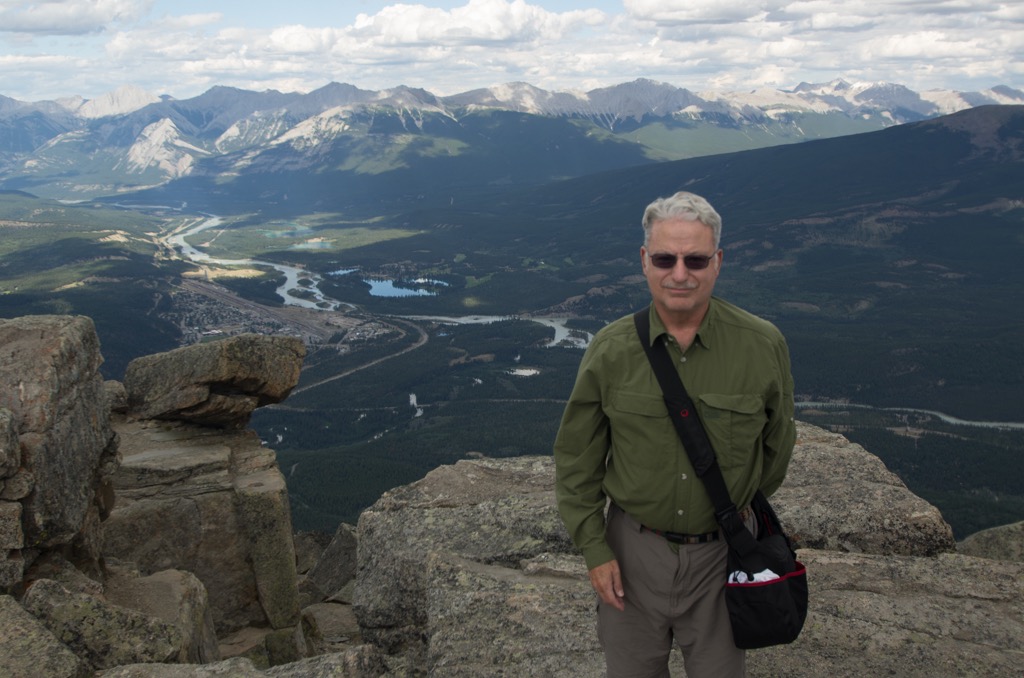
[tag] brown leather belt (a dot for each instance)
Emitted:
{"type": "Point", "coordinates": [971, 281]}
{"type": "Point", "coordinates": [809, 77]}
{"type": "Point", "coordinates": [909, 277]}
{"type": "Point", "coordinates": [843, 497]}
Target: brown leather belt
{"type": "Point", "coordinates": [680, 538]}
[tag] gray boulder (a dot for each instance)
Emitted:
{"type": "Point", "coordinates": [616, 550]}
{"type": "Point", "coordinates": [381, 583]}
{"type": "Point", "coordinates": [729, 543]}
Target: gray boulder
{"type": "Point", "coordinates": [160, 618]}
{"type": "Point", "coordinates": [1005, 542]}
{"type": "Point", "coordinates": [218, 383]}
{"type": "Point", "coordinates": [12, 539]}
{"type": "Point", "coordinates": [30, 650]}
{"type": "Point", "coordinates": [173, 596]}
{"type": "Point", "coordinates": [336, 566]}
{"type": "Point", "coordinates": [490, 511]}
{"type": "Point", "coordinates": [104, 635]}
{"type": "Point", "coordinates": [950, 615]}
{"type": "Point", "coordinates": [309, 546]}
{"type": "Point", "coordinates": [237, 667]}
{"type": "Point", "coordinates": [113, 580]}
{"type": "Point", "coordinates": [15, 486]}
{"type": "Point", "coordinates": [365, 661]}
{"type": "Point", "coordinates": [837, 496]}
{"type": "Point", "coordinates": [330, 627]}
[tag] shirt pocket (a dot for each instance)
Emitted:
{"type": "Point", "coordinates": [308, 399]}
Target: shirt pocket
{"type": "Point", "coordinates": [639, 422]}
{"type": "Point", "coordinates": [734, 423]}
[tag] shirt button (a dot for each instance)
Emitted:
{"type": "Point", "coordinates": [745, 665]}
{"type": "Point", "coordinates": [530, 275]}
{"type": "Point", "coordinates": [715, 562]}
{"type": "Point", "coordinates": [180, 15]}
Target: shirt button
{"type": "Point", "coordinates": [683, 359]}
{"type": "Point", "coordinates": [682, 477]}
{"type": "Point", "coordinates": [679, 512]}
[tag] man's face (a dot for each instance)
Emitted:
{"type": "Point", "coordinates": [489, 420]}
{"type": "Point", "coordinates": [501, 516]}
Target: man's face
{"type": "Point", "coordinates": [681, 294]}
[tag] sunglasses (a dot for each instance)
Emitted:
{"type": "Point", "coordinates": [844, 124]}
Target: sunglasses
{"type": "Point", "coordinates": [694, 262]}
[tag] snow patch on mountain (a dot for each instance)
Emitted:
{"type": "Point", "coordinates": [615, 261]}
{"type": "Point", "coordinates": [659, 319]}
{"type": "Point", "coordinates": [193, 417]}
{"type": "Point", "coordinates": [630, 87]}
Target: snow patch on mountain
{"type": "Point", "coordinates": [160, 146]}
{"type": "Point", "coordinates": [412, 106]}
{"type": "Point", "coordinates": [319, 129]}
{"type": "Point", "coordinates": [771, 102]}
{"type": "Point", "coordinates": [258, 129]}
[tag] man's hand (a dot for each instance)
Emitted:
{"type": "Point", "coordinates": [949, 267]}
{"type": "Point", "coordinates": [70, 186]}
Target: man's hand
{"type": "Point", "coordinates": [607, 581]}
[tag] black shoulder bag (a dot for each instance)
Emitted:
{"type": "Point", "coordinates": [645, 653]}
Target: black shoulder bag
{"type": "Point", "coordinates": [764, 608]}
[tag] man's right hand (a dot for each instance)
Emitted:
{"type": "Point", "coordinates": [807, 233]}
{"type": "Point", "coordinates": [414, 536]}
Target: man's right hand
{"type": "Point", "coordinates": [607, 581]}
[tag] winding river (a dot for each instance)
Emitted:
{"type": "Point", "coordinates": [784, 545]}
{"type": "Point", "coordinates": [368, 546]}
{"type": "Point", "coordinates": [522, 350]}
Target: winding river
{"type": "Point", "coordinates": [1005, 425]}
{"type": "Point", "coordinates": [312, 297]}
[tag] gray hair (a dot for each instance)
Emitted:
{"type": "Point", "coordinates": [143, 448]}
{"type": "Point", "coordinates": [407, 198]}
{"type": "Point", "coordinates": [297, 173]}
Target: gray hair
{"type": "Point", "coordinates": [683, 205]}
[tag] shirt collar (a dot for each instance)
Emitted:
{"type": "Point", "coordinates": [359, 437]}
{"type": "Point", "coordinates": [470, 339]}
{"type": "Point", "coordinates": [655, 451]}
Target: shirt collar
{"type": "Point", "coordinates": [704, 332]}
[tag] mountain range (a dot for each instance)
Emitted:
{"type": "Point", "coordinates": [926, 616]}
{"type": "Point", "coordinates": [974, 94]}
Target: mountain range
{"type": "Point", "coordinates": [130, 140]}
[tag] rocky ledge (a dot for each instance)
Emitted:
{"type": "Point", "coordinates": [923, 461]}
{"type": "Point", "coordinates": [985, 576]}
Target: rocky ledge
{"type": "Point", "coordinates": [144, 531]}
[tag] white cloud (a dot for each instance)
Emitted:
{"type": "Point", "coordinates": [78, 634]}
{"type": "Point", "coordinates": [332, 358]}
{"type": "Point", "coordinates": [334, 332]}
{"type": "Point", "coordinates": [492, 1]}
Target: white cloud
{"type": "Point", "coordinates": [67, 17]}
{"type": "Point", "coordinates": [419, 45]}
{"type": "Point", "coordinates": [477, 22]}
{"type": "Point", "coordinates": [694, 11]}
{"type": "Point", "coordinates": [449, 46]}
{"type": "Point", "coordinates": [301, 40]}
{"type": "Point", "coordinates": [920, 45]}
{"type": "Point", "coordinates": [834, 21]}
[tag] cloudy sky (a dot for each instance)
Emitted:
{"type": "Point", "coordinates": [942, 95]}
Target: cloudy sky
{"type": "Point", "coordinates": [59, 48]}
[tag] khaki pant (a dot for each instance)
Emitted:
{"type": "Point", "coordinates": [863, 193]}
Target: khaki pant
{"type": "Point", "coordinates": [673, 593]}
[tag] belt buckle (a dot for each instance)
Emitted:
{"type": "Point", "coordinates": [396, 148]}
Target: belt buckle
{"type": "Point", "coordinates": [685, 539]}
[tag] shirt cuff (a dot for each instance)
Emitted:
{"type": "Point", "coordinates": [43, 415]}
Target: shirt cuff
{"type": "Point", "coordinates": [599, 554]}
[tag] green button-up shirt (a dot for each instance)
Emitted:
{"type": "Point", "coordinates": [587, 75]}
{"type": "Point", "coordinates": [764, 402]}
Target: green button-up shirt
{"type": "Point", "coordinates": [616, 440]}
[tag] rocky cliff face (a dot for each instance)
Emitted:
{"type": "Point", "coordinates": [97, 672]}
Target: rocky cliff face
{"type": "Point", "coordinates": [197, 492]}
{"type": "Point", "coordinates": [58, 446]}
{"type": "Point", "coordinates": [139, 522]}
{"type": "Point", "coordinates": [145, 532]}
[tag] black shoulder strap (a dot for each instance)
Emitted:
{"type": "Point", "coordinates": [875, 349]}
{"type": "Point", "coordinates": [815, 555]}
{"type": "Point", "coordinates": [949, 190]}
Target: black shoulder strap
{"type": "Point", "coordinates": [691, 432]}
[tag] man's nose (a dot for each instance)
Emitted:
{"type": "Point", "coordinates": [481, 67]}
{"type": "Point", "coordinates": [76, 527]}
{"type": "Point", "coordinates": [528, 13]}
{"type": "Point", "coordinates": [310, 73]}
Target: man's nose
{"type": "Point", "coordinates": [679, 271]}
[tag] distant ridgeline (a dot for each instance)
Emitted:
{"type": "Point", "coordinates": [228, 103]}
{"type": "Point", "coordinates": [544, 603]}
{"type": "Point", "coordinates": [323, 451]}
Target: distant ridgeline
{"type": "Point", "coordinates": [890, 259]}
{"type": "Point", "coordinates": [232, 151]}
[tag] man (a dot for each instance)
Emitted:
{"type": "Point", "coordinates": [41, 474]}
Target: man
{"type": "Point", "coordinates": [656, 558]}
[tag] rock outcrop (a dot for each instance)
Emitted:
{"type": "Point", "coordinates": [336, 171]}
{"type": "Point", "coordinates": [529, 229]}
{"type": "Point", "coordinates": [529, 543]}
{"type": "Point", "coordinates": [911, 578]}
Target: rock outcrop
{"type": "Point", "coordinates": [506, 512]}
{"type": "Point", "coordinates": [1005, 542]}
{"type": "Point", "coordinates": [136, 524]}
{"type": "Point", "coordinates": [838, 497]}
{"type": "Point", "coordinates": [58, 448]}
{"type": "Point", "coordinates": [211, 502]}
{"type": "Point", "coordinates": [475, 551]}
{"type": "Point", "coordinates": [198, 492]}
{"type": "Point", "coordinates": [218, 383]}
